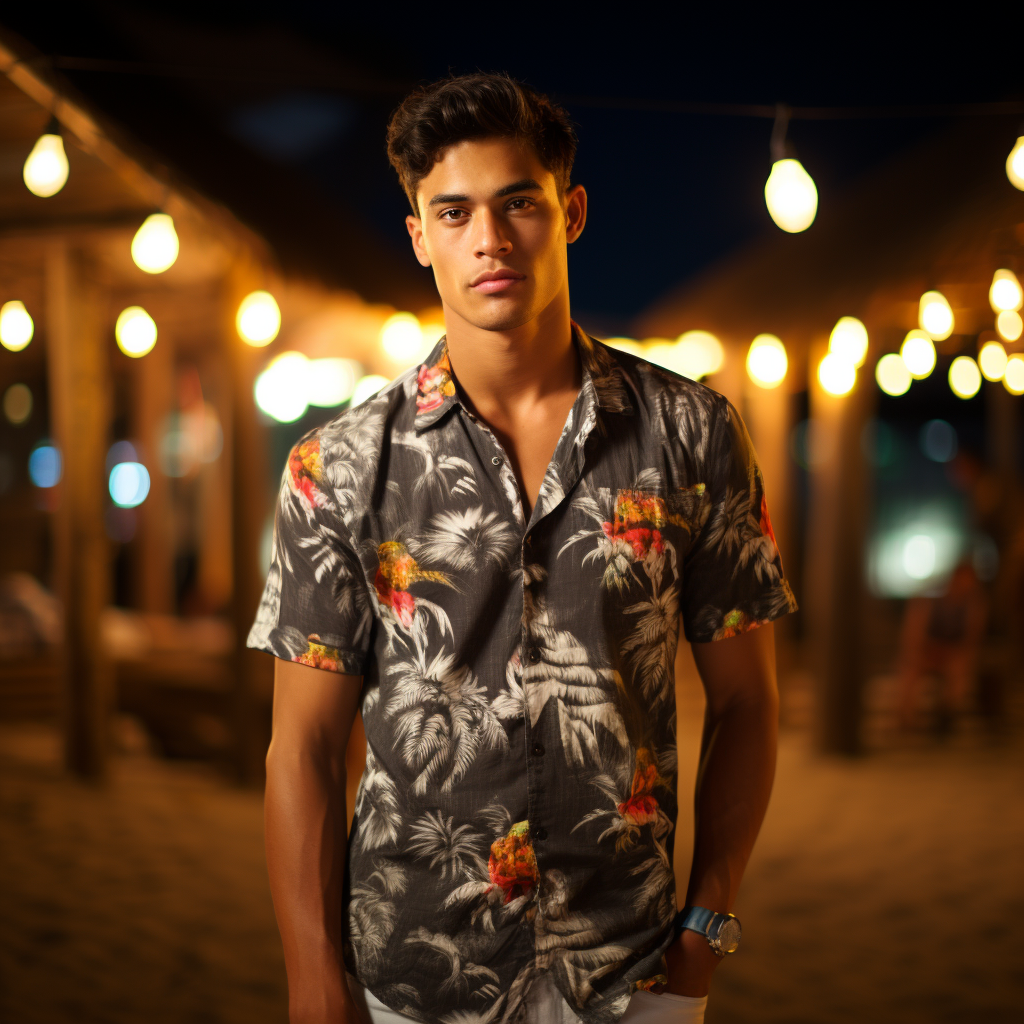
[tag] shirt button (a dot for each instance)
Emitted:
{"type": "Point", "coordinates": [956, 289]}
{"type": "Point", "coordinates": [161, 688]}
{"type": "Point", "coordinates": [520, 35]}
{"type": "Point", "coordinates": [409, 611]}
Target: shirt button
{"type": "Point", "coordinates": [538, 749]}
{"type": "Point", "coordinates": [533, 655]}
{"type": "Point", "coordinates": [540, 833]}
{"type": "Point", "coordinates": [495, 460]}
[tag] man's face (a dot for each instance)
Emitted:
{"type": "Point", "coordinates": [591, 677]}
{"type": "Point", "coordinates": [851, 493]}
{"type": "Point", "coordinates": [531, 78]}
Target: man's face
{"type": "Point", "coordinates": [494, 226]}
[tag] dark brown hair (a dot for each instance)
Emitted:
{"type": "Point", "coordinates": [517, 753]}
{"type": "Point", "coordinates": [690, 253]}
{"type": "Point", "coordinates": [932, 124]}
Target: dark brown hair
{"type": "Point", "coordinates": [478, 106]}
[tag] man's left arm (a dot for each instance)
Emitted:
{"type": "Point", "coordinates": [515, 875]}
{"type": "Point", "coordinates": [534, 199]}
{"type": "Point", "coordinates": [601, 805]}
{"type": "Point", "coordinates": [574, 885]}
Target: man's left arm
{"type": "Point", "coordinates": [734, 782]}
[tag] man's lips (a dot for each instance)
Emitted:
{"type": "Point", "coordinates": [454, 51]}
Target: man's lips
{"type": "Point", "coordinates": [492, 281]}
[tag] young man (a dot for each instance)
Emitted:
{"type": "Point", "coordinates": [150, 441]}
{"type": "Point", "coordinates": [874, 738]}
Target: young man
{"type": "Point", "coordinates": [490, 559]}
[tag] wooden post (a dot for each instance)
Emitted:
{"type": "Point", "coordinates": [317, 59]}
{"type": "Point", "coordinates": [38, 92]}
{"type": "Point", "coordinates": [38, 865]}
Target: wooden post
{"type": "Point", "coordinates": [251, 503]}
{"type": "Point", "coordinates": [80, 397]}
{"type": "Point", "coordinates": [834, 561]}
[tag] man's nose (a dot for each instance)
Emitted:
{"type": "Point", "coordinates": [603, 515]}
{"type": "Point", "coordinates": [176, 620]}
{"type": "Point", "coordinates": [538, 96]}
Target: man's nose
{"type": "Point", "coordinates": [491, 239]}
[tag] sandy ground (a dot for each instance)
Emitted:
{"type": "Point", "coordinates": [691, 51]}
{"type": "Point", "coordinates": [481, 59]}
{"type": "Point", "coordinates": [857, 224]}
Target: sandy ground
{"type": "Point", "coordinates": [889, 888]}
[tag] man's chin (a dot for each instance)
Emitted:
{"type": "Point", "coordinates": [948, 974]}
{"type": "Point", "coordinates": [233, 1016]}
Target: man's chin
{"type": "Point", "coordinates": [499, 317]}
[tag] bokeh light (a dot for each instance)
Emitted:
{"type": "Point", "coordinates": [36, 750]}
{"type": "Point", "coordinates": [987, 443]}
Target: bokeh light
{"type": "Point", "coordinates": [44, 465]}
{"type": "Point", "coordinates": [791, 196]}
{"type": "Point", "coordinates": [1009, 325]}
{"type": "Point", "coordinates": [331, 381]}
{"type": "Point", "coordinates": [259, 319]}
{"type": "Point", "coordinates": [1013, 375]}
{"type": "Point", "coordinates": [935, 316]}
{"type": "Point", "coordinates": [402, 339]}
{"type": "Point", "coordinates": [918, 354]}
{"type": "Point", "coordinates": [1005, 291]}
{"type": "Point", "coordinates": [155, 245]}
{"type": "Point", "coordinates": [18, 404]}
{"type": "Point", "coordinates": [892, 375]}
{"type": "Point", "coordinates": [836, 374]}
{"type": "Point", "coordinates": [849, 340]}
{"type": "Point", "coordinates": [368, 386]}
{"type": "Point", "coordinates": [964, 377]}
{"type": "Point", "coordinates": [281, 389]}
{"type": "Point", "coordinates": [938, 440]}
{"type": "Point", "coordinates": [46, 169]}
{"type": "Point", "coordinates": [135, 332]}
{"type": "Point", "coordinates": [128, 484]}
{"type": "Point", "coordinates": [626, 345]}
{"type": "Point", "coordinates": [919, 556]}
{"type": "Point", "coordinates": [694, 354]}
{"type": "Point", "coordinates": [767, 362]}
{"type": "Point", "coordinates": [1015, 164]}
{"type": "Point", "coordinates": [992, 360]}
{"type": "Point", "coordinates": [16, 326]}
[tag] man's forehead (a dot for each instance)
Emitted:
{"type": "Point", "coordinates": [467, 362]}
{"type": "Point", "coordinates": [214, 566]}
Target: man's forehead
{"type": "Point", "coordinates": [479, 167]}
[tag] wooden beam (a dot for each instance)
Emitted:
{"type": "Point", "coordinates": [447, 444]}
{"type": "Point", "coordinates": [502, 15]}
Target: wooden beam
{"type": "Point", "coordinates": [80, 397]}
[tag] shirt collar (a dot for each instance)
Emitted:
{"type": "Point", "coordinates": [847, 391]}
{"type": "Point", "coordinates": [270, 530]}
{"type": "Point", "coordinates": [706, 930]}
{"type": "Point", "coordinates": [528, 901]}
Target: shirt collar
{"type": "Point", "coordinates": [603, 385]}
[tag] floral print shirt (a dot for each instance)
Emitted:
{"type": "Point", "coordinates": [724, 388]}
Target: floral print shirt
{"type": "Point", "coordinates": [517, 810]}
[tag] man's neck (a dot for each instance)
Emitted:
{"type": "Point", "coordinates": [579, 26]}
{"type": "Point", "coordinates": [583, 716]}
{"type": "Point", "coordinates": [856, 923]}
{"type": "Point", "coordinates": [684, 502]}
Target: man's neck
{"type": "Point", "coordinates": [508, 376]}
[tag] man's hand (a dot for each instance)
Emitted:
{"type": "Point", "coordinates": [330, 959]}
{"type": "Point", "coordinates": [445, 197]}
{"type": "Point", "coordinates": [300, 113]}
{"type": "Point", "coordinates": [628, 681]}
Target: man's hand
{"type": "Point", "coordinates": [691, 962]}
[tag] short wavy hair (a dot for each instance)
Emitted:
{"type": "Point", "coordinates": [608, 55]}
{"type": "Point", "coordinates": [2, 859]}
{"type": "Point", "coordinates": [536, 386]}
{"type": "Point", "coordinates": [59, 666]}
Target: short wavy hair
{"type": "Point", "coordinates": [483, 105]}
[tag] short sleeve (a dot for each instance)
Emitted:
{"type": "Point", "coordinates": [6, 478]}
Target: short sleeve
{"type": "Point", "coordinates": [732, 571]}
{"type": "Point", "coordinates": [315, 607]}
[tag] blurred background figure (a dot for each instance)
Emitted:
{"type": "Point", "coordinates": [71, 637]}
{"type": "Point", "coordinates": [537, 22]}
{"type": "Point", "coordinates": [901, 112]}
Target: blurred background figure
{"type": "Point", "coordinates": [940, 638]}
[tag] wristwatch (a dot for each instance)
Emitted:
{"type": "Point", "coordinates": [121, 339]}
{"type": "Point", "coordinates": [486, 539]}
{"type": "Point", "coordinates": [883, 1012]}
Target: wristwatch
{"type": "Point", "coordinates": [721, 930]}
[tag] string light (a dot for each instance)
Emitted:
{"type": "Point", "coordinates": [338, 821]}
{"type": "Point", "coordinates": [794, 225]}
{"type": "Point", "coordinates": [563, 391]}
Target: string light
{"type": "Point", "coordinates": [767, 362]}
{"type": "Point", "coordinates": [16, 326]}
{"type": "Point", "coordinates": [892, 375]}
{"type": "Point", "coordinates": [992, 360]}
{"type": "Point", "coordinates": [155, 245]}
{"type": "Point", "coordinates": [836, 374]}
{"type": "Point", "coordinates": [281, 389]}
{"type": "Point", "coordinates": [1013, 375]}
{"type": "Point", "coordinates": [935, 316]}
{"type": "Point", "coordinates": [918, 354]}
{"type": "Point", "coordinates": [849, 340]}
{"type": "Point", "coordinates": [259, 319]}
{"type": "Point", "coordinates": [135, 332]}
{"type": "Point", "coordinates": [401, 337]}
{"type": "Point", "coordinates": [789, 192]}
{"type": "Point", "coordinates": [1005, 291]}
{"type": "Point", "coordinates": [964, 377]}
{"type": "Point", "coordinates": [1015, 164]}
{"type": "Point", "coordinates": [46, 169]}
{"type": "Point", "coordinates": [1009, 325]}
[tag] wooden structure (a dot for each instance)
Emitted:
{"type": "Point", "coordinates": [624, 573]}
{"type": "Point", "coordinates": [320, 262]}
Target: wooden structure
{"type": "Point", "coordinates": [941, 216]}
{"type": "Point", "coordinates": [68, 259]}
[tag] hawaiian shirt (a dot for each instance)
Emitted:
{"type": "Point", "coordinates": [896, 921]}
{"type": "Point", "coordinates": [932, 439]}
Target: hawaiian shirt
{"type": "Point", "coordinates": [517, 810]}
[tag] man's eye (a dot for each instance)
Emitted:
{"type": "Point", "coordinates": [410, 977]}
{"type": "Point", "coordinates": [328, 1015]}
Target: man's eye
{"type": "Point", "coordinates": [452, 214]}
{"type": "Point", "coordinates": [518, 204]}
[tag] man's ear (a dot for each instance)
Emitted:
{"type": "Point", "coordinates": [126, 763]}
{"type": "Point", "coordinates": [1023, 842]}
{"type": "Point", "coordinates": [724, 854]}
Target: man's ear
{"type": "Point", "coordinates": [575, 212]}
{"type": "Point", "coordinates": [415, 226]}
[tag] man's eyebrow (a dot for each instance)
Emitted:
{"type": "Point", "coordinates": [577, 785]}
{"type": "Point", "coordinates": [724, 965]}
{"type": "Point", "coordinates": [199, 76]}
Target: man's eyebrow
{"type": "Point", "coordinates": [524, 185]}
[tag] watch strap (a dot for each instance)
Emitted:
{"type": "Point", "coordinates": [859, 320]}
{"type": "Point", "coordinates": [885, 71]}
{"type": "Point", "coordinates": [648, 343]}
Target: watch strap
{"type": "Point", "coordinates": [696, 919]}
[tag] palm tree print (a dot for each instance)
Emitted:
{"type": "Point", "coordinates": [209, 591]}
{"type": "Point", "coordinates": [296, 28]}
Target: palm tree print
{"type": "Point", "coordinates": [455, 849]}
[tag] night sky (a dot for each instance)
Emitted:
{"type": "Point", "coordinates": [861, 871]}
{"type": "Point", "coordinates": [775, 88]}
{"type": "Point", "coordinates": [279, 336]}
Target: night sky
{"type": "Point", "coordinates": [309, 87]}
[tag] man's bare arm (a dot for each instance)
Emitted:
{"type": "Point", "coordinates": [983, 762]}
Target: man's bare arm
{"type": "Point", "coordinates": [305, 829]}
{"type": "Point", "coordinates": [734, 783]}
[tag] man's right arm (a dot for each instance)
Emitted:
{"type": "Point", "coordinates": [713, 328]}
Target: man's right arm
{"type": "Point", "coordinates": [305, 833]}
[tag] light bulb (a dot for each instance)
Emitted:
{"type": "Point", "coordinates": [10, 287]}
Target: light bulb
{"type": "Point", "coordinates": [282, 389]}
{"type": "Point", "coordinates": [330, 381]}
{"type": "Point", "coordinates": [892, 375]}
{"type": "Point", "coordinates": [155, 245]}
{"type": "Point", "coordinates": [766, 361]}
{"type": "Point", "coordinates": [849, 340]}
{"type": "Point", "coordinates": [1015, 164]}
{"type": "Point", "coordinates": [46, 169]}
{"type": "Point", "coordinates": [401, 337]}
{"type": "Point", "coordinates": [135, 332]}
{"type": "Point", "coordinates": [701, 352]}
{"type": "Point", "coordinates": [836, 374]}
{"type": "Point", "coordinates": [992, 360]}
{"type": "Point", "coordinates": [935, 316]}
{"type": "Point", "coordinates": [1009, 325]}
{"type": "Point", "coordinates": [16, 327]}
{"type": "Point", "coordinates": [258, 319]}
{"type": "Point", "coordinates": [1013, 375]}
{"type": "Point", "coordinates": [964, 377]}
{"type": "Point", "coordinates": [918, 354]}
{"type": "Point", "coordinates": [790, 195]}
{"type": "Point", "coordinates": [1005, 291]}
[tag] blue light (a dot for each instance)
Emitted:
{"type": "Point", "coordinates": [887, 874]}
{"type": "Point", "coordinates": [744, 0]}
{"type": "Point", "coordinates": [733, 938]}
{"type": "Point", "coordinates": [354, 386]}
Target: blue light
{"type": "Point", "coordinates": [44, 465]}
{"type": "Point", "coordinates": [129, 484]}
{"type": "Point", "coordinates": [938, 440]}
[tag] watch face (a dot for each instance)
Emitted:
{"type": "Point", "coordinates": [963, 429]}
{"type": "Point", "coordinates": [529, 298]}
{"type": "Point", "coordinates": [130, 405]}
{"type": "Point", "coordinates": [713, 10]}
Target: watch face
{"type": "Point", "coordinates": [729, 935]}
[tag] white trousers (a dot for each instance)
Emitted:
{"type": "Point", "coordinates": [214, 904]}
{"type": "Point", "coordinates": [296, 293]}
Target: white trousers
{"type": "Point", "coordinates": [545, 1005]}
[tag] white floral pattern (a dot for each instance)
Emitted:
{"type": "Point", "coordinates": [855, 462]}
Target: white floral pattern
{"type": "Point", "coordinates": [517, 811]}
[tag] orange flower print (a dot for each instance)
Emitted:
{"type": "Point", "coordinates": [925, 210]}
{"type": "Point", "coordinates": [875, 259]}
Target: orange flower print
{"type": "Point", "coordinates": [434, 384]}
{"type": "Point", "coordinates": [512, 865]}
{"type": "Point", "coordinates": [317, 655]}
{"type": "Point", "coordinates": [397, 569]}
{"type": "Point", "coordinates": [641, 807]}
{"type": "Point", "coordinates": [646, 984]}
{"type": "Point", "coordinates": [736, 622]}
{"type": "Point", "coordinates": [304, 471]}
{"type": "Point", "coordinates": [766, 522]}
